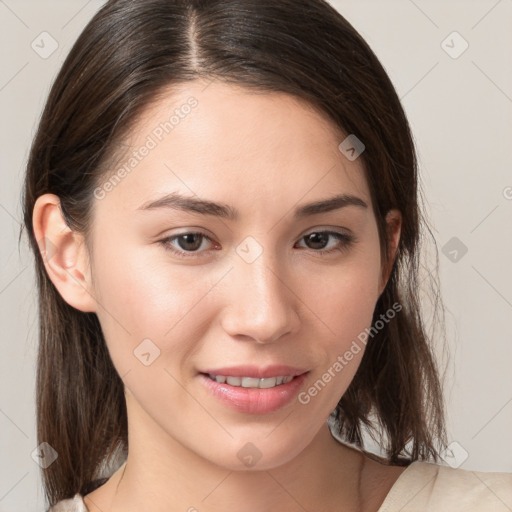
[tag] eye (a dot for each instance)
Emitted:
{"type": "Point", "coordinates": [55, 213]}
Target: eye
{"type": "Point", "coordinates": [190, 243]}
{"type": "Point", "coordinates": [320, 238]}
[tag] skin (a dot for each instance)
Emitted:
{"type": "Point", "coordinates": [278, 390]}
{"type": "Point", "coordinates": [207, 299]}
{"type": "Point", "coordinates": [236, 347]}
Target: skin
{"type": "Point", "coordinates": [263, 154]}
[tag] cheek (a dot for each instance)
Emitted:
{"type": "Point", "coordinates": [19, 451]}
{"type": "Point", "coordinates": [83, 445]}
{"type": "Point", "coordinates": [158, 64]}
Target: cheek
{"type": "Point", "coordinates": [344, 295]}
{"type": "Point", "coordinates": [148, 298]}
{"type": "Point", "coordinates": [343, 302]}
{"type": "Point", "coordinates": [344, 307]}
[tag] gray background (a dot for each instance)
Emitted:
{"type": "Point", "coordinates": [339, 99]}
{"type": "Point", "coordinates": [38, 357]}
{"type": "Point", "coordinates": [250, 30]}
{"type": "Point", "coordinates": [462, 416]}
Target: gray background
{"type": "Point", "coordinates": [460, 108]}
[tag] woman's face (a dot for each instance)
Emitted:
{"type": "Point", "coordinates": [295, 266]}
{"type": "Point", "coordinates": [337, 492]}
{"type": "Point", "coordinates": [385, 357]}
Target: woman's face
{"type": "Point", "coordinates": [251, 289]}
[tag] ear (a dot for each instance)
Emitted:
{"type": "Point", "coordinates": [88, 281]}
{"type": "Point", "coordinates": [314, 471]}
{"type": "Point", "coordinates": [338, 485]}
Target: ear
{"type": "Point", "coordinates": [64, 254]}
{"type": "Point", "coordinates": [394, 227]}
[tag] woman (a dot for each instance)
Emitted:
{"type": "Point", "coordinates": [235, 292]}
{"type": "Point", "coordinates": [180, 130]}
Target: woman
{"type": "Point", "coordinates": [222, 200]}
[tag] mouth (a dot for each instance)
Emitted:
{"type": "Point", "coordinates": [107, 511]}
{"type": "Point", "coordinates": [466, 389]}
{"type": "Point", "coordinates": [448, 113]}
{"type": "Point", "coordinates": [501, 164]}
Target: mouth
{"type": "Point", "coordinates": [253, 395]}
{"type": "Point", "coordinates": [251, 382]}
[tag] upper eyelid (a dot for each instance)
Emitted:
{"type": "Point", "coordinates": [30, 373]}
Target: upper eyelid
{"type": "Point", "coordinates": [193, 230]}
{"type": "Point", "coordinates": [345, 231]}
{"type": "Point", "coordinates": [330, 231]}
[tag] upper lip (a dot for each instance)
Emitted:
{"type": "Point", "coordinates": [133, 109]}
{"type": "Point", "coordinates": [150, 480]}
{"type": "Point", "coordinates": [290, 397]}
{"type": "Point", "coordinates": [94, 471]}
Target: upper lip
{"type": "Point", "coordinates": [276, 370]}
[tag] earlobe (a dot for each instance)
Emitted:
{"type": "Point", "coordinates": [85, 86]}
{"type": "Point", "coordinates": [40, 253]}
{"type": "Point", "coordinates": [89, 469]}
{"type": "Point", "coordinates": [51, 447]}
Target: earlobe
{"type": "Point", "coordinates": [394, 228]}
{"type": "Point", "coordinates": [64, 254]}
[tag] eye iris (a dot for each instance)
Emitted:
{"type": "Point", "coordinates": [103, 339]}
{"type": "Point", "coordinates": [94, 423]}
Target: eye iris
{"type": "Point", "coordinates": [189, 237]}
{"type": "Point", "coordinates": [315, 237]}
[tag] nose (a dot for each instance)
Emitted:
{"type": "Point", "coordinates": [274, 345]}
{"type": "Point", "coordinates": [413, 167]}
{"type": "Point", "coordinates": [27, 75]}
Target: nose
{"type": "Point", "coordinates": [260, 303]}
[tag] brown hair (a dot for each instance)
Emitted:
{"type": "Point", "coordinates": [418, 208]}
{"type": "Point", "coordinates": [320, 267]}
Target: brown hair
{"type": "Point", "coordinates": [128, 54]}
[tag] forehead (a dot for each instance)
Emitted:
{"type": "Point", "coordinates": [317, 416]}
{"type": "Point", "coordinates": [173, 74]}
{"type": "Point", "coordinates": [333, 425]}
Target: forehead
{"type": "Point", "coordinates": [232, 144]}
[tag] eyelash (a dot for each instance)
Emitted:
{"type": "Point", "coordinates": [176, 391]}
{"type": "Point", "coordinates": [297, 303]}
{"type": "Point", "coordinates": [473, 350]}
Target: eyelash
{"type": "Point", "coordinates": [347, 241]}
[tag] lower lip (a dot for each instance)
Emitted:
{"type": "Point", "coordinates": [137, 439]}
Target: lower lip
{"type": "Point", "coordinates": [254, 400]}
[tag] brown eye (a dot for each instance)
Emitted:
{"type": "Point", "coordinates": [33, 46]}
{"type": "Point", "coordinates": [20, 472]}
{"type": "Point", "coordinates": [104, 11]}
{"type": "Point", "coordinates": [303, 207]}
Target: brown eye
{"type": "Point", "coordinates": [318, 240]}
{"type": "Point", "coordinates": [187, 243]}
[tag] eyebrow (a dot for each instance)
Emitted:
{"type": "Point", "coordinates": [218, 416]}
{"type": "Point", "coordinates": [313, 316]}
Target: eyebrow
{"type": "Point", "coordinates": [176, 201]}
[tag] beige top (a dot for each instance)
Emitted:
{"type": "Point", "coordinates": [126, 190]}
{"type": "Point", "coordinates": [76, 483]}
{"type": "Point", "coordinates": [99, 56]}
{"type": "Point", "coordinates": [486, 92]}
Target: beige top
{"type": "Point", "coordinates": [421, 487]}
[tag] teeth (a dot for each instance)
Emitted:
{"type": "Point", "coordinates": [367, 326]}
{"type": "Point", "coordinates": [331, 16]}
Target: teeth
{"type": "Point", "coordinates": [251, 382]}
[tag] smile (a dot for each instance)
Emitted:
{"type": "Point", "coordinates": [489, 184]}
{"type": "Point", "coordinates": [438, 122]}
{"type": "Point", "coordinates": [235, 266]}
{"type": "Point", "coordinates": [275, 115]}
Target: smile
{"type": "Point", "coordinates": [251, 382]}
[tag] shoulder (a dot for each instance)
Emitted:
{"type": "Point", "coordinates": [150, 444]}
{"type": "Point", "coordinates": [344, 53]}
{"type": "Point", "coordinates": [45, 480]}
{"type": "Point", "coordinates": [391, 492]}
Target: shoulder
{"type": "Point", "coordinates": [428, 487]}
{"type": "Point", "coordinates": [75, 504]}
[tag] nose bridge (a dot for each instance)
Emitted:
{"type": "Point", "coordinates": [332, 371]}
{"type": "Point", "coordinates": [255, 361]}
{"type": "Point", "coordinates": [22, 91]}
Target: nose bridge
{"type": "Point", "coordinates": [261, 306]}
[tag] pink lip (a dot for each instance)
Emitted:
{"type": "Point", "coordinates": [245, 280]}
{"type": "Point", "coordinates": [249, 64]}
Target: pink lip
{"type": "Point", "coordinates": [276, 370]}
{"type": "Point", "coordinates": [254, 400]}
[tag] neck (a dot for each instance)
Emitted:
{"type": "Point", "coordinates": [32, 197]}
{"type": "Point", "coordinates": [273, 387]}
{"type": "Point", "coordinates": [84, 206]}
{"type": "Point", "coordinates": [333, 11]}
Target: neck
{"type": "Point", "coordinates": [161, 474]}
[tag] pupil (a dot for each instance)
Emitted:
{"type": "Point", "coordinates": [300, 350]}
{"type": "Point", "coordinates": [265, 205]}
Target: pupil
{"type": "Point", "coordinates": [189, 240]}
{"type": "Point", "coordinates": [315, 237]}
